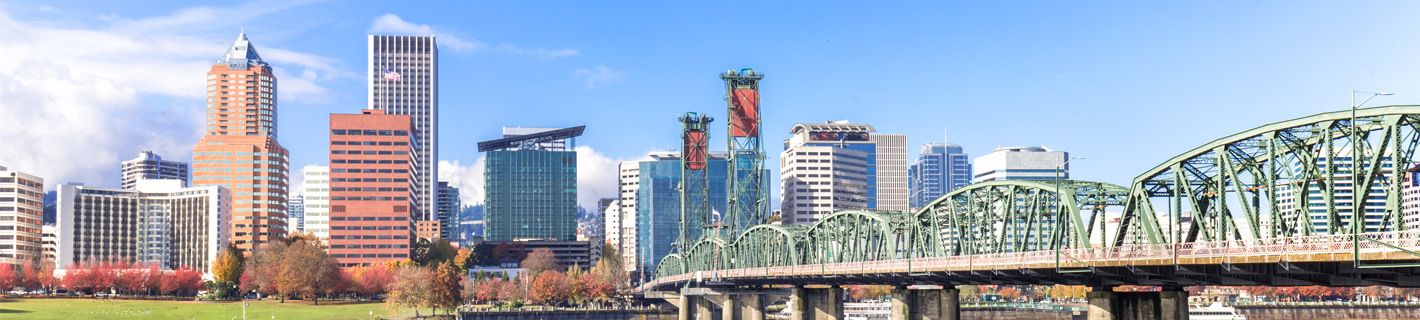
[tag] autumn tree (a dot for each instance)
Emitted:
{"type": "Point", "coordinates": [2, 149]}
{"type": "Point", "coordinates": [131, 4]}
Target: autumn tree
{"type": "Point", "coordinates": [373, 281]}
{"type": "Point", "coordinates": [227, 271]}
{"type": "Point", "coordinates": [467, 289]}
{"type": "Point", "coordinates": [1009, 293]}
{"type": "Point", "coordinates": [1067, 292]}
{"type": "Point", "coordinates": [539, 261]}
{"type": "Point", "coordinates": [461, 260]}
{"type": "Point", "coordinates": [410, 287]}
{"type": "Point", "coordinates": [8, 277]}
{"type": "Point", "coordinates": [304, 271]}
{"type": "Point", "coordinates": [444, 288]}
{"type": "Point", "coordinates": [969, 292]}
{"type": "Point", "coordinates": [549, 287]}
{"type": "Point", "coordinates": [182, 281]}
{"type": "Point", "coordinates": [263, 268]}
{"type": "Point", "coordinates": [488, 290]}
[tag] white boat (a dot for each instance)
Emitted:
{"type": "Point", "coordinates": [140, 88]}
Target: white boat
{"type": "Point", "coordinates": [1215, 311]}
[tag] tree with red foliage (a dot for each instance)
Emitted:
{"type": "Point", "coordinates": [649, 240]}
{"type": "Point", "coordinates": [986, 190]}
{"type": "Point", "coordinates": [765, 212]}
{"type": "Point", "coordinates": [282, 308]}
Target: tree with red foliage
{"type": "Point", "coordinates": [857, 292]}
{"type": "Point", "coordinates": [549, 287]}
{"type": "Point", "coordinates": [1009, 293]}
{"type": "Point", "coordinates": [488, 289]}
{"type": "Point", "coordinates": [8, 278]}
{"type": "Point", "coordinates": [46, 275]}
{"type": "Point", "coordinates": [373, 281]}
{"type": "Point", "coordinates": [30, 278]}
{"type": "Point", "coordinates": [181, 282]}
{"type": "Point", "coordinates": [339, 282]}
{"type": "Point", "coordinates": [539, 261]}
{"type": "Point", "coordinates": [1343, 293]}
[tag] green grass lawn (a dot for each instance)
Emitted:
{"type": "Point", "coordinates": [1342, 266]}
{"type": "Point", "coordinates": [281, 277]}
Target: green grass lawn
{"type": "Point", "coordinates": [40, 308]}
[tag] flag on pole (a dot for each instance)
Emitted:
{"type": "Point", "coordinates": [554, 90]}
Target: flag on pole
{"type": "Point", "coordinates": [391, 75]}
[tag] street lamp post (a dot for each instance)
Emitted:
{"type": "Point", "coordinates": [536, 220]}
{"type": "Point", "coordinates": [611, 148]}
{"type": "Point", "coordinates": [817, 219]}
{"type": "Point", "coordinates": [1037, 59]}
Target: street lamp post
{"type": "Point", "coordinates": [1357, 201]}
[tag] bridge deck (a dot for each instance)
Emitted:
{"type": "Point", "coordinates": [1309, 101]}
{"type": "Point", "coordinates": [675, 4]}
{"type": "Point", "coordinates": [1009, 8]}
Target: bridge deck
{"type": "Point", "coordinates": [1326, 259]}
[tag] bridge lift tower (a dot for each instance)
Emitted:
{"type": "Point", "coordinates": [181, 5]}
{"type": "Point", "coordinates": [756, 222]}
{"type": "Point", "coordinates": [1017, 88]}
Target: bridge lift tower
{"type": "Point", "coordinates": [694, 179]}
{"type": "Point", "coordinates": [748, 199]}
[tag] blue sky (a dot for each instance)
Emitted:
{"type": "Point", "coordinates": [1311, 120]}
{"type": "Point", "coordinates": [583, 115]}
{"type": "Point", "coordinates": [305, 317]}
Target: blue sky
{"type": "Point", "coordinates": [1125, 84]}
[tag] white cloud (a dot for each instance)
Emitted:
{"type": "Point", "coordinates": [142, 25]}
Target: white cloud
{"type": "Point", "coordinates": [79, 98]}
{"type": "Point", "coordinates": [599, 76]}
{"type": "Point", "coordinates": [468, 179]}
{"type": "Point", "coordinates": [394, 25]}
{"type": "Point", "coordinates": [596, 177]}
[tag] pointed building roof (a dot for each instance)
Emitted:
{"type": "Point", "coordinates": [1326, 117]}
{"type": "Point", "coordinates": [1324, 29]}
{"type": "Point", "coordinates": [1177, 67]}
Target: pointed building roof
{"type": "Point", "coordinates": [241, 54]}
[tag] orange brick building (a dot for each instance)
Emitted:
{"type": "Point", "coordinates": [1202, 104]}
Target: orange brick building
{"type": "Point", "coordinates": [239, 149]}
{"type": "Point", "coordinates": [372, 213]}
{"type": "Point", "coordinates": [429, 229]}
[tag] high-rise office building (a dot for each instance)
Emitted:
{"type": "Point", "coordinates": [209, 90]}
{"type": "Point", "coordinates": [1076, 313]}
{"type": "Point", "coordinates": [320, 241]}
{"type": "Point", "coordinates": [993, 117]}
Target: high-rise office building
{"type": "Point", "coordinates": [621, 217]}
{"type": "Point", "coordinates": [530, 187]}
{"type": "Point", "coordinates": [1021, 163]}
{"type": "Point", "coordinates": [296, 213]}
{"type": "Point", "coordinates": [838, 165]}
{"type": "Point", "coordinates": [317, 202]}
{"type": "Point", "coordinates": [371, 188]}
{"type": "Point", "coordinates": [239, 150]}
{"type": "Point", "coordinates": [21, 216]}
{"type": "Point", "coordinates": [404, 80]}
{"type": "Point", "coordinates": [1315, 208]}
{"type": "Point", "coordinates": [658, 204]}
{"type": "Point", "coordinates": [158, 221]}
{"type": "Point", "coordinates": [941, 168]}
{"type": "Point", "coordinates": [449, 210]}
{"type": "Point", "coordinates": [149, 165]}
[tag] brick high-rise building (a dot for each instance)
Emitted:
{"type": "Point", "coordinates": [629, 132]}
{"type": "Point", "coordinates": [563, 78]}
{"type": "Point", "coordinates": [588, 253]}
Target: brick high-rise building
{"type": "Point", "coordinates": [372, 190]}
{"type": "Point", "coordinates": [239, 150]}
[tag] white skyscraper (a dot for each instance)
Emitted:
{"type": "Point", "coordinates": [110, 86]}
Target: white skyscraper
{"type": "Point", "coordinates": [404, 80]}
{"type": "Point", "coordinates": [157, 221]}
{"type": "Point", "coordinates": [838, 165]}
{"type": "Point", "coordinates": [1021, 163]}
{"type": "Point", "coordinates": [149, 165]}
{"type": "Point", "coordinates": [316, 198]}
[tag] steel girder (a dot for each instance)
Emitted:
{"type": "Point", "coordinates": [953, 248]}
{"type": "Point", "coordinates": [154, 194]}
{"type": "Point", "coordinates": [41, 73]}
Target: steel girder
{"type": "Point", "coordinates": [1021, 215]}
{"type": "Point", "coordinates": [768, 246]}
{"type": "Point", "coordinates": [856, 235]}
{"type": "Point", "coordinates": [671, 264]}
{"type": "Point", "coordinates": [1279, 180]}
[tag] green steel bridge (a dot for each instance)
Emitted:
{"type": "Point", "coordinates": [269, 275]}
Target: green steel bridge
{"type": "Point", "coordinates": [1274, 205]}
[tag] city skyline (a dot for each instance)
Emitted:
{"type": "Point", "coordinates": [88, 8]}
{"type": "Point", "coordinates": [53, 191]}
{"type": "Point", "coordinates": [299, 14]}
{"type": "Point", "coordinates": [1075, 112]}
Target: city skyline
{"type": "Point", "coordinates": [1072, 93]}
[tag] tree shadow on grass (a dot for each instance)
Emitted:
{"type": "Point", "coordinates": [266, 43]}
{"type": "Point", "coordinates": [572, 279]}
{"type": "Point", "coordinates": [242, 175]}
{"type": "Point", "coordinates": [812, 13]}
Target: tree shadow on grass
{"type": "Point", "coordinates": [14, 311]}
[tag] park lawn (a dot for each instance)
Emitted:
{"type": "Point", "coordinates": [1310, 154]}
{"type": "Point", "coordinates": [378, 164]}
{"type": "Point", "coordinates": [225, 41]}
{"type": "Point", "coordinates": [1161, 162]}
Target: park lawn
{"type": "Point", "coordinates": [40, 308]}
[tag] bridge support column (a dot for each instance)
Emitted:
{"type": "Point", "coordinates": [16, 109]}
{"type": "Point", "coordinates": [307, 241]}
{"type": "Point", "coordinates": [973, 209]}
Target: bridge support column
{"type": "Point", "coordinates": [748, 307]}
{"type": "Point", "coordinates": [925, 304]}
{"type": "Point", "coordinates": [817, 304]}
{"type": "Point", "coordinates": [901, 303]}
{"type": "Point", "coordinates": [1101, 304]}
{"type": "Point", "coordinates": [1163, 305]}
{"type": "Point", "coordinates": [682, 307]}
{"type": "Point", "coordinates": [798, 304]}
{"type": "Point", "coordinates": [1174, 304]}
{"type": "Point", "coordinates": [704, 309]}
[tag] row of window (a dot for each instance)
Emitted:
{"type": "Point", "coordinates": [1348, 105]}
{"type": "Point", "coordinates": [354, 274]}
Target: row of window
{"type": "Point", "coordinates": [370, 161]}
{"type": "Point", "coordinates": [368, 180]}
{"type": "Point", "coordinates": [370, 189]}
{"type": "Point", "coordinates": [368, 255]}
{"type": "Point", "coordinates": [369, 218]}
{"type": "Point", "coordinates": [344, 132]}
{"type": "Point", "coordinates": [368, 143]}
{"type": "Point", "coordinates": [369, 228]}
{"type": "Point", "coordinates": [369, 170]}
{"type": "Point", "coordinates": [369, 237]}
{"type": "Point", "coordinates": [369, 198]}
{"type": "Point", "coordinates": [370, 246]}
{"type": "Point", "coordinates": [367, 152]}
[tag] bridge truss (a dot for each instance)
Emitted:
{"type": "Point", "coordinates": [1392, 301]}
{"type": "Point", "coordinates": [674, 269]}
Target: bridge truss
{"type": "Point", "coordinates": [1273, 205]}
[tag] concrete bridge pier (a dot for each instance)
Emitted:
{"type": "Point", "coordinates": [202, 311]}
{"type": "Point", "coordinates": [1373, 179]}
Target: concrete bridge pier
{"type": "Point", "coordinates": [816, 303]}
{"type": "Point", "coordinates": [924, 304]}
{"type": "Point", "coordinates": [1169, 304]}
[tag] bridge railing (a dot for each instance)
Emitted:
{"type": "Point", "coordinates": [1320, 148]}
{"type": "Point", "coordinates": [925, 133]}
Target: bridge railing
{"type": "Point", "coordinates": [1249, 250]}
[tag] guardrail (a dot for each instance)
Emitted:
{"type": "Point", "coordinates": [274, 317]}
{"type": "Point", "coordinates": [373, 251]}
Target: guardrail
{"type": "Point", "coordinates": [1306, 248]}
